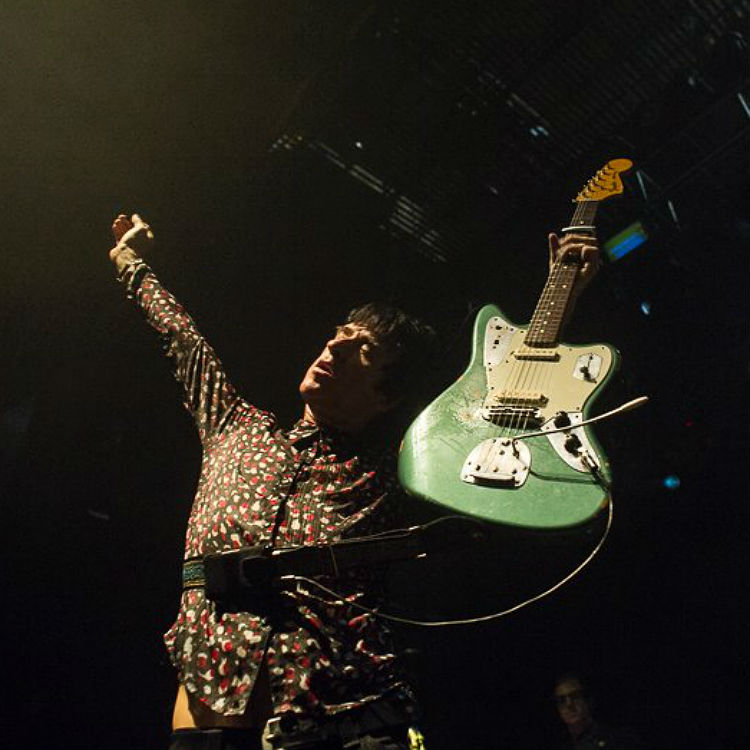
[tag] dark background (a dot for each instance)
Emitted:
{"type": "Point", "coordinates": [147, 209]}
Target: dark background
{"type": "Point", "coordinates": [295, 158]}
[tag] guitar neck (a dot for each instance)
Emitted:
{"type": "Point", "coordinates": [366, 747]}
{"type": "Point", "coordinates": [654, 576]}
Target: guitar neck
{"type": "Point", "coordinates": [553, 305]}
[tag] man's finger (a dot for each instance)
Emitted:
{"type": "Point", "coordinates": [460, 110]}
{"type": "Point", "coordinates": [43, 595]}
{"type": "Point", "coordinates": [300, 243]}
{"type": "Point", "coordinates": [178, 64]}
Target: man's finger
{"type": "Point", "coordinates": [589, 253]}
{"type": "Point", "coordinates": [119, 226]}
{"type": "Point", "coordinates": [553, 242]}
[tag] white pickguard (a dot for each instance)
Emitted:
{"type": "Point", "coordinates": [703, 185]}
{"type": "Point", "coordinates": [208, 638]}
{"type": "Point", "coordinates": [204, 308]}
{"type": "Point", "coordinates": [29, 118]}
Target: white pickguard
{"type": "Point", "coordinates": [560, 380]}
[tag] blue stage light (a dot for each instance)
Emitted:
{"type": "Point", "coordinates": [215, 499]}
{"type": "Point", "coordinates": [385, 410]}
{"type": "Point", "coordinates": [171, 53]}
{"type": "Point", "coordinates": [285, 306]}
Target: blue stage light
{"type": "Point", "coordinates": [671, 482]}
{"type": "Point", "coordinates": [624, 242]}
{"type": "Point", "coordinates": [646, 308]}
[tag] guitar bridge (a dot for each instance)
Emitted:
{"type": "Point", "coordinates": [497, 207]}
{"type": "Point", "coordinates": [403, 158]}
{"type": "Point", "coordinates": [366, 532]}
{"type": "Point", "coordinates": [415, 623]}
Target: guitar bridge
{"type": "Point", "coordinates": [498, 462]}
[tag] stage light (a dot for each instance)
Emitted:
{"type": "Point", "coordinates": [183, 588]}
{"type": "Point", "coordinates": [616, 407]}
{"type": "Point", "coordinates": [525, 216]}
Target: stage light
{"type": "Point", "coordinates": [646, 308]}
{"type": "Point", "coordinates": [358, 144]}
{"type": "Point", "coordinates": [671, 482]}
{"type": "Point", "coordinates": [623, 242]}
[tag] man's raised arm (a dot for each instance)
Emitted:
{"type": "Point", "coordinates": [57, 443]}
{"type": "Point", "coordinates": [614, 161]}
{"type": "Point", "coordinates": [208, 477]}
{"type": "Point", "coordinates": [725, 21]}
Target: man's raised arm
{"type": "Point", "coordinates": [209, 396]}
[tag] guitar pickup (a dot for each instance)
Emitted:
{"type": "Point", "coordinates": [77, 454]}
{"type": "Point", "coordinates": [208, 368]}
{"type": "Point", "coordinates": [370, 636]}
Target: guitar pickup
{"type": "Point", "coordinates": [539, 355]}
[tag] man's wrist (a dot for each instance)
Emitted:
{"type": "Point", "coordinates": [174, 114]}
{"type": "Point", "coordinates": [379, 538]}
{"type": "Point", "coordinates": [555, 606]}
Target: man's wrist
{"type": "Point", "coordinates": [130, 268]}
{"type": "Point", "coordinates": [122, 256]}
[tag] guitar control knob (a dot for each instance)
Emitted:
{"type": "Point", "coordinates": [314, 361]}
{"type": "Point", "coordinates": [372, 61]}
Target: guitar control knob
{"type": "Point", "coordinates": [561, 419]}
{"type": "Point", "coordinates": [573, 444]}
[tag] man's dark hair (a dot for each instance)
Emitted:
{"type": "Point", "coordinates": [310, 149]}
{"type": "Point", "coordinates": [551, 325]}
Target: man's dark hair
{"type": "Point", "coordinates": [412, 342]}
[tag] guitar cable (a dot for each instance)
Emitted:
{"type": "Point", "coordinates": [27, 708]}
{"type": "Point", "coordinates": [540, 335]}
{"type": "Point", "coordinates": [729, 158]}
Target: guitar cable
{"type": "Point", "coordinates": [468, 620]}
{"type": "Point", "coordinates": [599, 478]}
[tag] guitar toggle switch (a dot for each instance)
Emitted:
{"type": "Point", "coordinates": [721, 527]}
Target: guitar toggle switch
{"type": "Point", "coordinates": [588, 367]}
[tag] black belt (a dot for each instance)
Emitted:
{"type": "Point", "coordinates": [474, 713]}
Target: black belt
{"type": "Point", "coordinates": [226, 574]}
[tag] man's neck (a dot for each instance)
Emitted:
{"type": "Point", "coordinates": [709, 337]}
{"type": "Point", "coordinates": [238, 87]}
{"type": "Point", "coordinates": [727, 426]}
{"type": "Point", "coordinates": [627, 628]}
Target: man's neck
{"type": "Point", "coordinates": [579, 728]}
{"type": "Point", "coordinates": [331, 422]}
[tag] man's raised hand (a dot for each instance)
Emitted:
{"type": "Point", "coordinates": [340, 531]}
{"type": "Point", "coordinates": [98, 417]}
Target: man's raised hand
{"type": "Point", "coordinates": [580, 246]}
{"type": "Point", "coordinates": [130, 234]}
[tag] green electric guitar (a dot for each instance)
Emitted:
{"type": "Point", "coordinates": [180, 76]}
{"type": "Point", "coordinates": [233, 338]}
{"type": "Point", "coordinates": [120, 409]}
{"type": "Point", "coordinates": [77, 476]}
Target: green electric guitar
{"type": "Point", "coordinates": [481, 448]}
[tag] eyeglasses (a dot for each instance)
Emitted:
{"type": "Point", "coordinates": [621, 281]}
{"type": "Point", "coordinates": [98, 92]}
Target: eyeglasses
{"type": "Point", "coordinates": [575, 696]}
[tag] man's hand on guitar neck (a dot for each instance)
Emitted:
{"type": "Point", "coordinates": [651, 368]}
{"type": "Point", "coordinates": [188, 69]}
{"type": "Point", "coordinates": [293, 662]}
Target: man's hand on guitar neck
{"type": "Point", "coordinates": [580, 246]}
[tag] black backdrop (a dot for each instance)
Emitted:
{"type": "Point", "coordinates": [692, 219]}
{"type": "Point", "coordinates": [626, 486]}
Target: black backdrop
{"type": "Point", "coordinates": [171, 110]}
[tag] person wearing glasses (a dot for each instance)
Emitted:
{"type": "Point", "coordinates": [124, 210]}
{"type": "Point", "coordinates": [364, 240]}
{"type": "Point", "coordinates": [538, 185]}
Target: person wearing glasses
{"type": "Point", "coordinates": [575, 707]}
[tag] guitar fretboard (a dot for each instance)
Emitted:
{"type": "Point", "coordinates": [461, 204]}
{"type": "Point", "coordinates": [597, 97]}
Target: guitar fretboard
{"type": "Point", "coordinates": [547, 321]}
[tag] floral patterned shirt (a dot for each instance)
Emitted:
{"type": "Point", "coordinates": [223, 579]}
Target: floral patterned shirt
{"type": "Point", "coordinates": [327, 656]}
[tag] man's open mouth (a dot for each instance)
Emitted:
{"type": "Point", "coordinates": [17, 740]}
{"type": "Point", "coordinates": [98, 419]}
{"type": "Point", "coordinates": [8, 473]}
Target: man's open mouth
{"type": "Point", "coordinates": [325, 367]}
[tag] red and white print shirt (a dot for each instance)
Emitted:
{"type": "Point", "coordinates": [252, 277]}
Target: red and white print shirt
{"type": "Point", "coordinates": [329, 656]}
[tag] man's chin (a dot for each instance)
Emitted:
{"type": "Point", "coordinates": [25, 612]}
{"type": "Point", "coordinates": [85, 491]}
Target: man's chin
{"type": "Point", "coordinates": [313, 390]}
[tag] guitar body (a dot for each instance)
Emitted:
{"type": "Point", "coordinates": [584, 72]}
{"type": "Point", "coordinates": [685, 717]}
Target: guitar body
{"type": "Point", "coordinates": [457, 455]}
{"type": "Point", "coordinates": [507, 445]}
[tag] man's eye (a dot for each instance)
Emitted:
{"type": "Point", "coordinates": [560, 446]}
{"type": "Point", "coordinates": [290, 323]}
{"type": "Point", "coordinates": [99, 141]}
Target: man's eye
{"type": "Point", "coordinates": [366, 352]}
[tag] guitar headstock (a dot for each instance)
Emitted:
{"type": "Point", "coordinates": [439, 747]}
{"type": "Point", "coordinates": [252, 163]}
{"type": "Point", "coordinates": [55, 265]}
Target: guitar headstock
{"type": "Point", "coordinates": [606, 182]}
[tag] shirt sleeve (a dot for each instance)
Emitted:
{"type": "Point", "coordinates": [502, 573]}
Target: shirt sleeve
{"type": "Point", "coordinates": [209, 396]}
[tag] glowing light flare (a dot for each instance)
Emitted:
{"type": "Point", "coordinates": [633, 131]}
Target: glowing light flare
{"type": "Point", "coordinates": [671, 482]}
{"type": "Point", "coordinates": [625, 241]}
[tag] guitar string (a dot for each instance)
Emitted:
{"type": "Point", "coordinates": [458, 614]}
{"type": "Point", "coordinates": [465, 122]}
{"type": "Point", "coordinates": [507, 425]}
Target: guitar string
{"type": "Point", "coordinates": [541, 371]}
{"type": "Point", "coordinates": [580, 217]}
{"type": "Point", "coordinates": [537, 370]}
{"type": "Point", "coordinates": [535, 373]}
{"type": "Point", "coordinates": [518, 375]}
{"type": "Point", "coordinates": [583, 216]}
{"type": "Point", "coordinates": [557, 293]}
{"type": "Point", "coordinates": [559, 297]}
{"type": "Point", "coordinates": [523, 378]}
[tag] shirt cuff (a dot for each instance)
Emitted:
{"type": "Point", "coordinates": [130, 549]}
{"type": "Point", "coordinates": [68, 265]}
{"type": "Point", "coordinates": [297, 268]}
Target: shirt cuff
{"type": "Point", "coordinates": [131, 274]}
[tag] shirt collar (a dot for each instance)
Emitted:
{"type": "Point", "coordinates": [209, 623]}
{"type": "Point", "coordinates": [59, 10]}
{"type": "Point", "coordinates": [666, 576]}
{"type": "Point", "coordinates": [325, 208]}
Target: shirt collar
{"type": "Point", "coordinates": [302, 434]}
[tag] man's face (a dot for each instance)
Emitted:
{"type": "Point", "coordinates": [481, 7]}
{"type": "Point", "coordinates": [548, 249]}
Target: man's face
{"type": "Point", "coordinates": [341, 388]}
{"type": "Point", "coordinates": [572, 705]}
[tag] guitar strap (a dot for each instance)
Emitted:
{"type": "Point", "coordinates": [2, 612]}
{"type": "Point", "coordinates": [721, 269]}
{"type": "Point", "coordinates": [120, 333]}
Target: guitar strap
{"type": "Point", "coordinates": [253, 573]}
